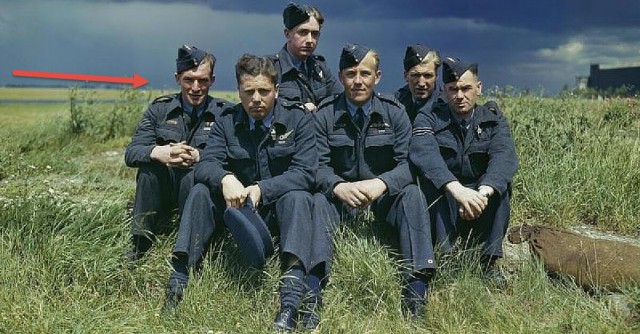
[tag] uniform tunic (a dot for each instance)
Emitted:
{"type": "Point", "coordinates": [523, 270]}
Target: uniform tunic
{"type": "Point", "coordinates": [483, 154]}
{"type": "Point", "coordinates": [161, 189]}
{"type": "Point", "coordinates": [318, 84]}
{"type": "Point", "coordinates": [380, 150]}
{"type": "Point", "coordinates": [282, 163]}
{"type": "Point", "coordinates": [413, 107]}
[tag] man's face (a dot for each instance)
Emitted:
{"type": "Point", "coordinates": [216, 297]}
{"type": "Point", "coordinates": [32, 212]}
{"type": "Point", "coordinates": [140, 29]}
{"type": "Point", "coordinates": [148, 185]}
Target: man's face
{"type": "Point", "coordinates": [463, 94]}
{"type": "Point", "coordinates": [421, 80]}
{"type": "Point", "coordinates": [195, 84]}
{"type": "Point", "coordinates": [359, 80]}
{"type": "Point", "coordinates": [302, 40]}
{"type": "Point", "coordinates": [257, 95]}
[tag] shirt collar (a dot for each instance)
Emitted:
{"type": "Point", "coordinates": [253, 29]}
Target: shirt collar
{"type": "Point", "coordinates": [352, 108]}
{"type": "Point", "coordinates": [295, 61]}
{"type": "Point", "coordinates": [265, 121]}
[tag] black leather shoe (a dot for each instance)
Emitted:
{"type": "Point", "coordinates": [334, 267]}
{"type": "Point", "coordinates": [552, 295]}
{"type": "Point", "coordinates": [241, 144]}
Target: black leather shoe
{"type": "Point", "coordinates": [286, 319]}
{"type": "Point", "coordinates": [310, 312]}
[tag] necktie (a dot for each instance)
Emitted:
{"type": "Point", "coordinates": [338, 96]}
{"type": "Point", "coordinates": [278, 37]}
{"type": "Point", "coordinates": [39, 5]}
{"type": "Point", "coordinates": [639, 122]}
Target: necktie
{"type": "Point", "coordinates": [258, 131]}
{"type": "Point", "coordinates": [360, 118]}
{"type": "Point", "coordinates": [304, 70]}
{"type": "Point", "coordinates": [463, 127]}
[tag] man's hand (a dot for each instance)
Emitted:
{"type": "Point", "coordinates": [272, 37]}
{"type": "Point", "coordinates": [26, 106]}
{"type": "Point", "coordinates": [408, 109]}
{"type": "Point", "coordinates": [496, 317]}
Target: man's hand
{"type": "Point", "coordinates": [310, 107]}
{"type": "Point", "coordinates": [471, 203]}
{"type": "Point", "coordinates": [175, 155]}
{"type": "Point", "coordinates": [233, 191]}
{"type": "Point", "coordinates": [254, 192]}
{"type": "Point", "coordinates": [486, 191]}
{"type": "Point", "coordinates": [372, 188]}
{"type": "Point", "coordinates": [351, 194]}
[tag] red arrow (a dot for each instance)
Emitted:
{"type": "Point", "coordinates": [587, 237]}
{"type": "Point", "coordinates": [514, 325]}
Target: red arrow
{"type": "Point", "coordinates": [137, 80]}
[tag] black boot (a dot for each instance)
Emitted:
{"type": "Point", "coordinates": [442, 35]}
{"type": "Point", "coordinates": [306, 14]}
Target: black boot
{"type": "Point", "coordinates": [175, 290]}
{"type": "Point", "coordinates": [491, 274]}
{"type": "Point", "coordinates": [414, 294]}
{"type": "Point", "coordinates": [140, 245]}
{"type": "Point", "coordinates": [291, 293]}
{"type": "Point", "coordinates": [310, 311]}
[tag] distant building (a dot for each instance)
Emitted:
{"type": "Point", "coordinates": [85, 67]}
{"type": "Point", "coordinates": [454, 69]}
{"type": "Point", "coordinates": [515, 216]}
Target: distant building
{"type": "Point", "coordinates": [614, 78]}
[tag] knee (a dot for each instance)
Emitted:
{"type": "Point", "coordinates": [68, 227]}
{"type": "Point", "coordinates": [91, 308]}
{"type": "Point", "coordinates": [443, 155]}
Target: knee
{"type": "Point", "coordinates": [412, 194]}
{"type": "Point", "coordinates": [296, 197]}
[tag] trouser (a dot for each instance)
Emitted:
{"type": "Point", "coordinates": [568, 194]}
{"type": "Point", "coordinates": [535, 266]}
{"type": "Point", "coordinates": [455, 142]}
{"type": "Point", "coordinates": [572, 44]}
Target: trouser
{"type": "Point", "coordinates": [405, 212]}
{"type": "Point", "coordinates": [488, 230]}
{"type": "Point", "coordinates": [203, 210]}
{"type": "Point", "coordinates": [160, 190]}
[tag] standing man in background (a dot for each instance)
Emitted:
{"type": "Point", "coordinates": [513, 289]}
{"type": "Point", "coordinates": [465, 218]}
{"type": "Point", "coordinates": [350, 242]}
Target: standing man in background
{"type": "Point", "coordinates": [422, 90]}
{"type": "Point", "coordinates": [167, 143]}
{"type": "Point", "coordinates": [304, 76]}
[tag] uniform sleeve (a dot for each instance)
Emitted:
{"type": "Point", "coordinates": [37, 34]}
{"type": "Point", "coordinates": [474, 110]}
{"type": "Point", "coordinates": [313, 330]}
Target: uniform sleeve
{"type": "Point", "coordinates": [210, 170]}
{"type": "Point", "coordinates": [143, 140]}
{"type": "Point", "coordinates": [302, 171]}
{"type": "Point", "coordinates": [503, 160]}
{"type": "Point", "coordinates": [400, 176]}
{"type": "Point", "coordinates": [326, 178]}
{"type": "Point", "coordinates": [424, 151]}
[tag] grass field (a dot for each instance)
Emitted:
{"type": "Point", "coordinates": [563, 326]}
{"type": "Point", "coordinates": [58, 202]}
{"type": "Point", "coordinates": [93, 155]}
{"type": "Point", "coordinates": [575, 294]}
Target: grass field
{"type": "Point", "coordinates": [64, 224]}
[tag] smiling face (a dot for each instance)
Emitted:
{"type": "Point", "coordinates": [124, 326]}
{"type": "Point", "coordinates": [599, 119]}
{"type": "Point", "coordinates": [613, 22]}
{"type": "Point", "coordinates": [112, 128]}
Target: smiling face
{"type": "Point", "coordinates": [257, 95]}
{"type": "Point", "coordinates": [302, 39]}
{"type": "Point", "coordinates": [195, 83]}
{"type": "Point", "coordinates": [359, 80]}
{"type": "Point", "coordinates": [421, 79]}
{"type": "Point", "coordinates": [463, 94]}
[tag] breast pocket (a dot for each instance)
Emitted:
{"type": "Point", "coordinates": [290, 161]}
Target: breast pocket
{"type": "Point", "coordinates": [166, 136]}
{"type": "Point", "coordinates": [379, 152]}
{"type": "Point", "coordinates": [280, 157]}
{"type": "Point", "coordinates": [479, 156]}
{"type": "Point", "coordinates": [449, 150]}
{"type": "Point", "coordinates": [342, 152]}
{"type": "Point", "coordinates": [239, 162]}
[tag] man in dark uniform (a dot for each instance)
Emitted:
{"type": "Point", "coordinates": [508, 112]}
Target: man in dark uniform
{"type": "Point", "coordinates": [304, 76]}
{"type": "Point", "coordinates": [363, 142]}
{"type": "Point", "coordinates": [467, 158]}
{"type": "Point", "coordinates": [168, 142]}
{"type": "Point", "coordinates": [422, 90]}
{"type": "Point", "coordinates": [263, 151]}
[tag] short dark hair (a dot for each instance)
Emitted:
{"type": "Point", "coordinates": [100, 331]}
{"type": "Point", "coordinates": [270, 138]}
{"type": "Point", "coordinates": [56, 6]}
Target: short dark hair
{"type": "Point", "coordinates": [254, 66]}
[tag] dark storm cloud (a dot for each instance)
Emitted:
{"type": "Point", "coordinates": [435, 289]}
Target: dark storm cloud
{"type": "Point", "coordinates": [525, 45]}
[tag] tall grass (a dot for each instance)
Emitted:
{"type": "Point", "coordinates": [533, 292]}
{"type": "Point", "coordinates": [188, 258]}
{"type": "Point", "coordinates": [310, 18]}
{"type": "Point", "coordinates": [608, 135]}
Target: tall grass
{"type": "Point", "coordinates": [64, 224]}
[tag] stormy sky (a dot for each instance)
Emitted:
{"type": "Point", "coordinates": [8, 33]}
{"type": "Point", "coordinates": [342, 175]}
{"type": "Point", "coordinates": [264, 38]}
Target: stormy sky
{"type": "Point", "coordinates": [537, 45]}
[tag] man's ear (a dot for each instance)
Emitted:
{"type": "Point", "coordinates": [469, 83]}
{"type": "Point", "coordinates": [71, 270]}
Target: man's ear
{"type": "Point", "coordinates": [177, 77]}
{"type": "Point", "coordinates": [378, 76]}
{"type": "Point", "coordinates": [479, 87]}
{"type": "Point", "coordinates": [286, 33]}
{"type": "Point", "coordinates": [213, 79]}
{"type": "Point", "coordinates": [277, 89]}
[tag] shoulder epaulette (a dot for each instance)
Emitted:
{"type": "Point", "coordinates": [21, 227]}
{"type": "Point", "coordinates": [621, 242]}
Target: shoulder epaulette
{"type": "Point", "coordinates": [389, 98]}
{"type": "Point", "coordinates": [493, 107]}
{"type": "Point", "coordinates": [318, 57]}
{"type": "Point", "coordinates": [164, 98]}
{"type": "Point", "coordinates": [292, 104]}
{"type": "Point", "coordinates": [328, 100]}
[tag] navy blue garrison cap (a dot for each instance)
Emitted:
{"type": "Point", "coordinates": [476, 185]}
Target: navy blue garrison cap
{"type": "Point", "coordinates": [189, 57]}
{"type": "Point", "coordinates": [294, 14]}
{"type": "Point", "coordinates": [454, 68]}
{"type": "Point", "coordinates": [352, 55]}
{"type": "Point", "coordinates": [250, 233]}
{"type": "Point", "coordinates": [415, 54]}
